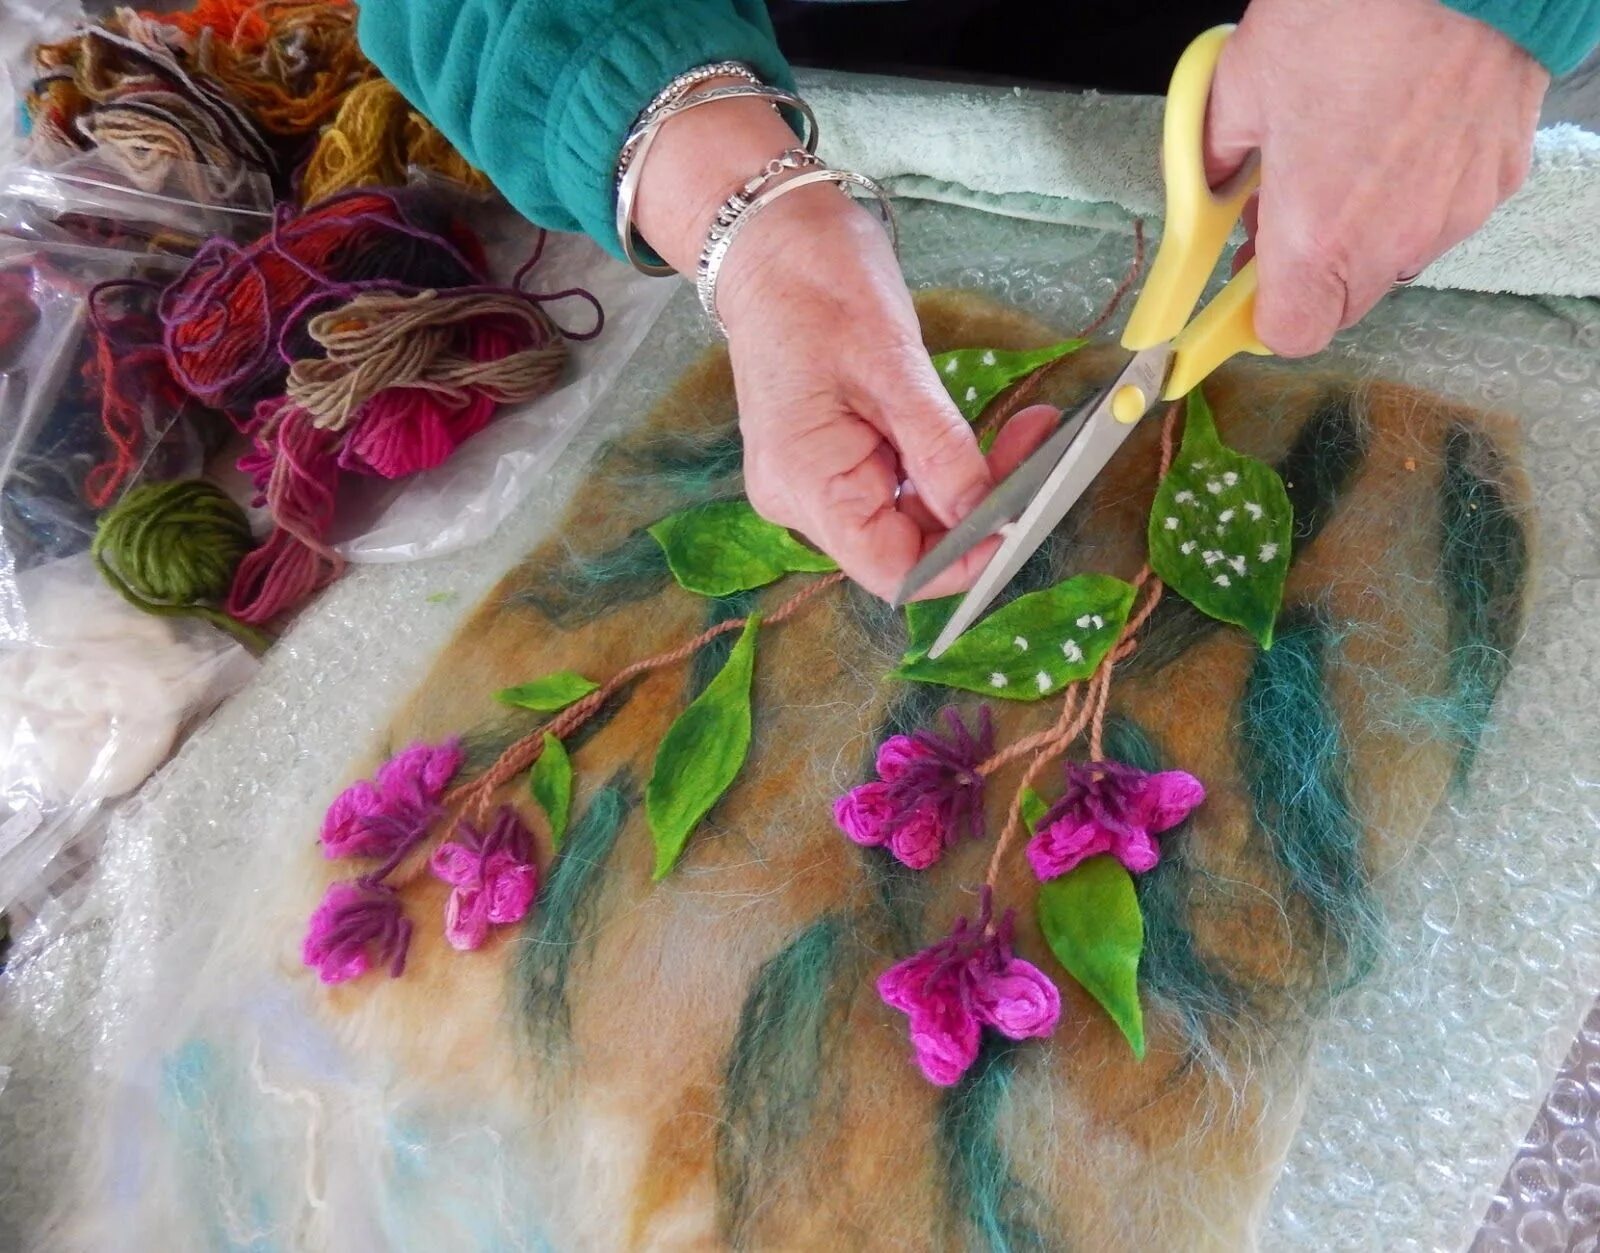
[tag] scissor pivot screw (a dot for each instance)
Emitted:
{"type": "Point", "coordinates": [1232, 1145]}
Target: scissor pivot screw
{"type": "Point", "coordinates": [1128, 404]}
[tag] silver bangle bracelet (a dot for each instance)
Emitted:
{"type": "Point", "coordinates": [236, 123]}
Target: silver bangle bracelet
{"type": "Point", "coordinates": [644, 135]}
{"type": "Point", "coordinates": [672, 92]}
{"type": "Point", "coordinates": [721, 240]}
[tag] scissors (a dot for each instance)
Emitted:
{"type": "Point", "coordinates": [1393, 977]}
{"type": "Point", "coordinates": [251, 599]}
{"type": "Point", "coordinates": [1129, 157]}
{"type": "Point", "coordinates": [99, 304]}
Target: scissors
{"type": "Point", "coordinates": [1171, 352]}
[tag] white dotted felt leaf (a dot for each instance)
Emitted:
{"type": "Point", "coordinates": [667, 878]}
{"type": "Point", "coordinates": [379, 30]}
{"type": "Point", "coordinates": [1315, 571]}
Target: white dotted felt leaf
{"type": "Point", "coordinates": [1036, 645]}
{"type": "Point", "coordinates": [1220, 528]}
{"type": "Point", "coordinates": [726, 546]}
{"type": "Point", "coordinates": [975, 376]}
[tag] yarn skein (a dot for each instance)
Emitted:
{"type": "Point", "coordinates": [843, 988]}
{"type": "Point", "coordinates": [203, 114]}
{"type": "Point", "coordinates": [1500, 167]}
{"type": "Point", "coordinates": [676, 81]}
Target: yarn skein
{"type": "Point", "coordinates": [375, 141]}
{"type": "Point", "coordinates": [230, 320]}
{"type": "Point", "coordinates": [292, 75]}
{"type": "Point", "coordinates": [171, 549]}
{"type": "Point", "coordinates": [383, 340]}
{"type": "Point", "coordinates": [405, 380]}
{"type": "Point", "coordinates": [118, 89]}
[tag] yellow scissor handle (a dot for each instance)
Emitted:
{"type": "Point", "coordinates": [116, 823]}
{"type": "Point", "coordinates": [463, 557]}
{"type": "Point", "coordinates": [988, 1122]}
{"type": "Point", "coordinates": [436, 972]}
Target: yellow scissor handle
{"type": "Point", "coordinates": [1199, 221]}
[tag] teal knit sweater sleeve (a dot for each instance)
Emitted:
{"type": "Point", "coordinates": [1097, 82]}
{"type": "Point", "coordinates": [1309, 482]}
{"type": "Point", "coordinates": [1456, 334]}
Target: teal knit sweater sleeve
{"type": "Point", "coordinates": [1558, 33]}
{"type": "Point", "coordinates": [539, 94]}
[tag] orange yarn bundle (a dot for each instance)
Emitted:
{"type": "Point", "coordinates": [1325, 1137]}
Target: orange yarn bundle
{"type": "Point", "coordinates": [293, 77]}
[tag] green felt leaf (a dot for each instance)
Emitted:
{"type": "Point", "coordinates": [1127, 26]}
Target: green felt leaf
{"type": "Point", "coordinates": [701, 754]}
{"type": "Point", "coordinates": [1090, 918]}
{"type": "Point", "coordinates": [546, 695]}
{"type": "Point", "coordinates": [1220, 529]}
{"type": "Point", "coordinates": [1034, 808]}
{"type": "Point", "coordinates": [975, 376]}
{"type": "Point", "coordinates": [1036, 645]}
{"type": "Point", "coordinates": [551, 782]}
{"type": "Point", "coordinates": [924, 620]}
{"type": "Point", "coordinates": [726, 547]}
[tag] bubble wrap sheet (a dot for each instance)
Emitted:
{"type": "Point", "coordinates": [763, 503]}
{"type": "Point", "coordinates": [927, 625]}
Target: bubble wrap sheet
{"type": "Point", "coordinates": [1424, 1079]}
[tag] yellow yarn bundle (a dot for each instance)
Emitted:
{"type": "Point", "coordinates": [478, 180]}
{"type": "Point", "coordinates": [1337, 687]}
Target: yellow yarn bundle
{"type": "Point", "coordinates": [374, 141]}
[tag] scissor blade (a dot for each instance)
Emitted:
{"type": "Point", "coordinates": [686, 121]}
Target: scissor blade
{"type": "Point", "coordinates": [1003, 504]}
{"type": "Point", "coordinates": [1100, 436]}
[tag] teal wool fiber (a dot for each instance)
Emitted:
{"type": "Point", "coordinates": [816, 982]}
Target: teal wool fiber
{"type": "Point", "coordinates": [691, 467]}
{"type": "Point", "coordinates": [776, 1069]}
{"type": "Point", "coordinates": [588, 586]}
{"type": "Point", "coordinates": [1483, 567]}
{"type": "Point", "coordinates": [1296, 766]}
{"type": "Point", "coordinates": [568, 905]}
{"type": "Point", "coordinates": [997, 1212]}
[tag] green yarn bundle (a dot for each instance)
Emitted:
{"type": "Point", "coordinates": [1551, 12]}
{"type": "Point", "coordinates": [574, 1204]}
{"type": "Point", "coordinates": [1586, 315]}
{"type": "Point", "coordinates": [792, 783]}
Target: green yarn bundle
{"type": "Point", "coordinates": [172, 549]}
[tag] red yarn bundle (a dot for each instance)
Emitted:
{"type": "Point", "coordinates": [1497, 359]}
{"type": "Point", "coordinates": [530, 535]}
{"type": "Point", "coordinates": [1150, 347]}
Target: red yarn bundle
{"type": "Point", "coordinates": [231, 317]}
{"type": "Point", "coordinates": [138, 397]}
{"type": "Point", "coordinates": [18, 314]}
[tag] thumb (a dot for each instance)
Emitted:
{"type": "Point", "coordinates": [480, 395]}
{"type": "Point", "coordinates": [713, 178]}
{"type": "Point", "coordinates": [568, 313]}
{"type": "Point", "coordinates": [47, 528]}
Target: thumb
{"type": "Point", "coordinates": [938, 448]}
{"type": "Point", "coordinates": [1233, 129]}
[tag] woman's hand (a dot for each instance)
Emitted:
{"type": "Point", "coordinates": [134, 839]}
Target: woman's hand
{"type": "Point", "coordinates": [1389, 130]}
{"type": "Point", "coordinates": [838, 401]}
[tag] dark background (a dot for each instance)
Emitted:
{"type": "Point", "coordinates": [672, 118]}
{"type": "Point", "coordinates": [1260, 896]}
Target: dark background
{"type": "Point", "coordinates": [1127, 46]}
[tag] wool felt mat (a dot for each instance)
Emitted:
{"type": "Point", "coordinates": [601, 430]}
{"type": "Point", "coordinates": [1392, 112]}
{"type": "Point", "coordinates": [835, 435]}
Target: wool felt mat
{"type": "Point", "coordinates": [703, 1063]}
{"type": "Point", "coordinates": [1093, 159]}
{"type": "Point", "coordinates": [1425, 1071]}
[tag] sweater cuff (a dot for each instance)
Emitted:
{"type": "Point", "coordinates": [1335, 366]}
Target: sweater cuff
{"type": "Point", "coordinates": [1559, 34]}
{"type": "Point", "coordinates": [615, 75]}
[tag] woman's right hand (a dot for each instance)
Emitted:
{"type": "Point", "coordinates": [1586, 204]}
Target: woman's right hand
{"type": "Point", "coordinates": [838, 400]}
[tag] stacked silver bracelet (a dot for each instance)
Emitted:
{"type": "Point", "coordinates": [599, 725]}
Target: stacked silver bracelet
{"type": "Point", "coordinates": [681, 95]}
{"type": "Point", "coordinates": [739, 210]}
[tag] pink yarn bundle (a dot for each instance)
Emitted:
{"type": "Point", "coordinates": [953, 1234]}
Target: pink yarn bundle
{"type": "Point", "coordinates": [406, 379]}
{"type": "Point", "coordinates": [404, 430]}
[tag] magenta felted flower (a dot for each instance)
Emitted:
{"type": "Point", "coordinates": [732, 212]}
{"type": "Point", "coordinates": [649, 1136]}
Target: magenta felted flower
{"type": "Point", "coordinates": [1112, 808]}
{"type": "Point", "coordinates": [969, 981]}
{"type": "Point", "coordinates": [927, 795]}
{"type": "Point", "coordinates": [494, 878]}
{"type": "Point", "coordinates": [386, 815]}
{"type": "Point", "coordinates": [358, 924]}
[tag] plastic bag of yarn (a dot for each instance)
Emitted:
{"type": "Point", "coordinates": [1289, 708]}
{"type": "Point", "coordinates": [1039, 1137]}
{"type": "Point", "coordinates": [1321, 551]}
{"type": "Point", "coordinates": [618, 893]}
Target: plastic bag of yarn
{"type": "Point", "coordinates": [128, 89]}
{"type": "Point", "coordinates": [100, 203]}
{"type": "Point", "coordinates": [91, 703]}
{"type": "Point", "coordinates": [87, 407]}
{"type": "Point", "coordinates": [464, 500]}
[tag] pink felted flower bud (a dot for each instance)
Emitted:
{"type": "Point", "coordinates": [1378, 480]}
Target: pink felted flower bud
{"type": "Point", "coordinates": [969, 981]}
{"type": "Point", "coordinates": [1110, 807]}
{"type": "Point", "coordinates": [493, 876]}
{"type": "Point", "coordinates": [357, 924]}
{"type": "Point", "coordinates": [385, 816]}
{"type": "Point", "coordinates": [928, 793]}
{"type": "Point", "coordinates": [863, 813]}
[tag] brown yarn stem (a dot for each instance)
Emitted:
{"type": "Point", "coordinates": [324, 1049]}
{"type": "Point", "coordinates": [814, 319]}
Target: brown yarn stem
{"type": "Point", "coordinates": [1023, 392]}
{"type": "Point", "coordinates": [478, 795]}
{"type": "Point", "coordinates": [1077, 713]}
{"type": "Point", "coordinates": [1124, 287]}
